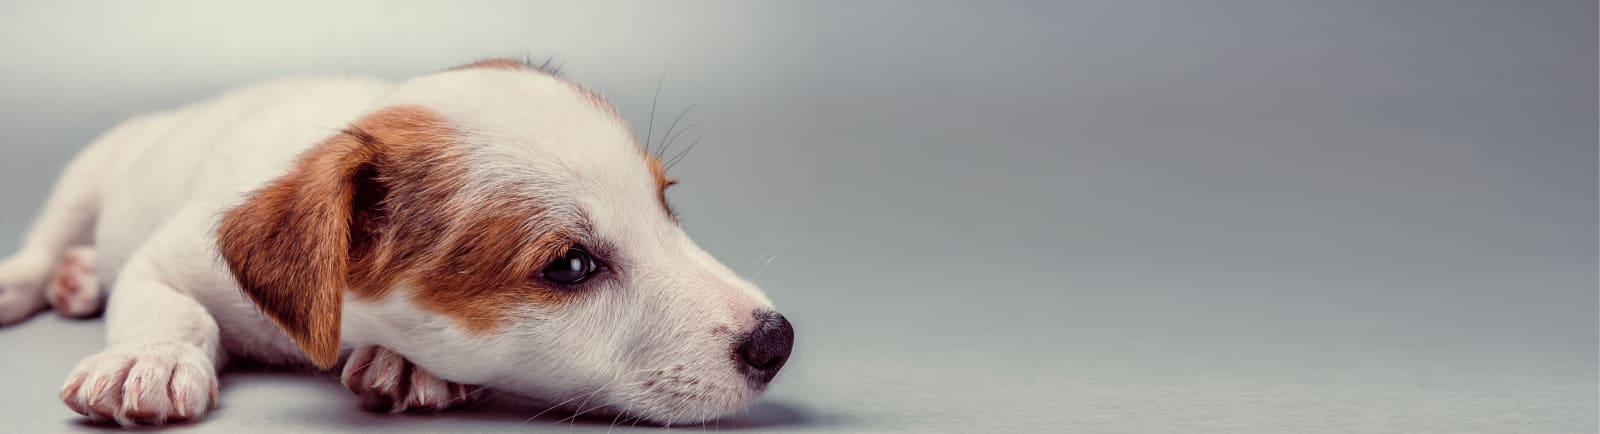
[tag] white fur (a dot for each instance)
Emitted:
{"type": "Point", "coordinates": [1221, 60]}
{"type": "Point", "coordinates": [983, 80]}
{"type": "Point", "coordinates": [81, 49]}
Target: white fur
{"type": "Point", "coordinates": [151, 192]}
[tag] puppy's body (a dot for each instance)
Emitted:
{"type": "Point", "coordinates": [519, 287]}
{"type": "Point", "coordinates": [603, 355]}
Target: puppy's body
{"type": "Point", "coordinates": [178, 171]}
{"type": "Point", "coordinates": [488, 225]}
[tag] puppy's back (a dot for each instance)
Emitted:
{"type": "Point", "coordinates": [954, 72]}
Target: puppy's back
{"type": "Point", "coordinates": [211, 153]}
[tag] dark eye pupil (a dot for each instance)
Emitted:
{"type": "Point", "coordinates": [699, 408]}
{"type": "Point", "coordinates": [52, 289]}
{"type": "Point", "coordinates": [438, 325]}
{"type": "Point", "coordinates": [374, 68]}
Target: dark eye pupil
{"type": "Point", "coordinates": [572, 268]}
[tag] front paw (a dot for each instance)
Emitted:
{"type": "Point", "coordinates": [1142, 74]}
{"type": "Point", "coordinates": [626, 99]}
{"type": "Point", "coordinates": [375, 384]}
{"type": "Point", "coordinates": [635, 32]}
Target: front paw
{"type": "Point", "coordinates": [387, 382]}
{"type": "Point", "coordinates": [143, 384]}
{"type": "Point", "coordinates": [22, 279]}
{"type": "Point", "coordinates": [75, 290]}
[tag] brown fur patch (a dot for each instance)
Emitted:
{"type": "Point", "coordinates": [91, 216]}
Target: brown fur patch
{"type": "Point", "coordinates": [380, 205]}
{"type": "Point", "coordinates": [662, 182]}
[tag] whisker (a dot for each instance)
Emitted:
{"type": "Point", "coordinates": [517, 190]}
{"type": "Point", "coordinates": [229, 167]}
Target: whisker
{"type": "Point", "coordinates": [651, 130]}
{"type": "Point", "coordinates": [574, 416]}
{"type": "Point", "coordinates": [615, 381]}
{"type": "Point", "coordinates": [757, 276]}
{"type": "Point", "coordinates": [559, 404]}
{"type": "Point", "coordinates": [580, 412]}
{"type": "Point", "coordinates": [664, 136]}
{"type": "Point", "coordinates": [614, 420]}
{"type": "Point", "coordinates": [684, 152]}
{"type": "Point", "coordinates": [669, 140]}
{"type": "Point", "coordinates": [757, 264]}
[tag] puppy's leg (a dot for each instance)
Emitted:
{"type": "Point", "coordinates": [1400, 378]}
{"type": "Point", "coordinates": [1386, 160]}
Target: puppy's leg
{"type": "Point", "coordinates": [75, 290]}
{"type": "Point", "coordinates": [388, 382]}
{"type": "Point", "coordinates": [67, 219]}
{"type": "Point", "coordinates": [162, 351]}
{"type": "Point", "coordinates": [22, 278]}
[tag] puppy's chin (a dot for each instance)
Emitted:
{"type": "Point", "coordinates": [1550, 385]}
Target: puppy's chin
{"type": "Point", "coordinates": [663, 397]}
{"type": "Point", "coordinates": [672, 398]}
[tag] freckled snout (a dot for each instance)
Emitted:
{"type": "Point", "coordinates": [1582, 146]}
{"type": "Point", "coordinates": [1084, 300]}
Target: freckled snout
{"type": "Point", "coordinates": [763, 352]}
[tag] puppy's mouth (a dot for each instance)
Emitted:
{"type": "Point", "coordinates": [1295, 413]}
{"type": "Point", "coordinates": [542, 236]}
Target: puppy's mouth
{"type": "Point", "coordinates": [678, 395]}
{"type": "Point", "coordinates": [686, 393]}
{"type": "Point", "coordinates": [693, 390]}
{"type": "Point", "coordinates": [675, 395]}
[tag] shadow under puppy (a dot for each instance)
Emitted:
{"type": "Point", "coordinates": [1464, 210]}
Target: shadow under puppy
{"type": "Point", "coordinates": [492, 225]}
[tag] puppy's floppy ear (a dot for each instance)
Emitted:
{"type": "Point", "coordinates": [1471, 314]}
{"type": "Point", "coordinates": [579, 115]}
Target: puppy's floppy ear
{"type": "Point", "coordinates": [290, 244]}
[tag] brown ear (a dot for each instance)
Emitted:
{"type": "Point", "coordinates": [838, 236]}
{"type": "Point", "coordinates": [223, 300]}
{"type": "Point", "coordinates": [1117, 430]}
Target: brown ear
{"type": "Point", "coordinates": [290, 243]}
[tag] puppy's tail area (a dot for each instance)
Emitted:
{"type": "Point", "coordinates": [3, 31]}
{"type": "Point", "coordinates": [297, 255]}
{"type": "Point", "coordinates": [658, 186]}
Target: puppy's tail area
{"type": "Point", "coordinates": [67, 220]}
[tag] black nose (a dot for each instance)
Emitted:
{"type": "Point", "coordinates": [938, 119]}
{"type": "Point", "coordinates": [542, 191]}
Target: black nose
{"type": "Point", "coordinates": [767, 347]}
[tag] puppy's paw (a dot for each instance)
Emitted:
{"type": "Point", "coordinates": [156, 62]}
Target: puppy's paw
{"type": "Point", "coordinates": [75, 290]}
{"type": "Point", "coordinates": [145, 384]}
{"type": "Point", "coordinates": [22, 279]}
{"type": "Point", "coordinates": [388, 382]}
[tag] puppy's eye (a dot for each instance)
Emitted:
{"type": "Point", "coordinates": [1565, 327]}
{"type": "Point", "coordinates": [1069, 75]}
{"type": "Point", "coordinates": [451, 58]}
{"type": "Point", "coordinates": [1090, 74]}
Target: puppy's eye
{"type": "Point", "coordinates": [571, 268]}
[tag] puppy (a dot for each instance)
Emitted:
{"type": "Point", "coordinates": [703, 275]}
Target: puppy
{"type": "Point", "coordinates": [492, 225]}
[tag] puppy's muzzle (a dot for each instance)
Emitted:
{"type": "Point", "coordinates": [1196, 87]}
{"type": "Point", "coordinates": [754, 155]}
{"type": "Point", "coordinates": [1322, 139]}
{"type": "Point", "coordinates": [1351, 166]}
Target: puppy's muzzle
{"type": "Point", "coordinates": [763, 352]}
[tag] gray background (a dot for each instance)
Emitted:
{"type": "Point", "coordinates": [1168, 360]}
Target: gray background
{"type": "Point", "coordinates": [1115, 216]}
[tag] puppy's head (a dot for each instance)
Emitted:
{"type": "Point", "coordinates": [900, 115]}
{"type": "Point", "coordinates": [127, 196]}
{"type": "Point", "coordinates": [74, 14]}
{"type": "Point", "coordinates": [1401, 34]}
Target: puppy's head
{"type": "Point", "coordinates": [498, 225]}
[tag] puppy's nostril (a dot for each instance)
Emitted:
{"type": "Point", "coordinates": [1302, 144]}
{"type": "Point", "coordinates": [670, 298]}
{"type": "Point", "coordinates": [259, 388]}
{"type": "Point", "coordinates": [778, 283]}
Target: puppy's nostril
{"type": "Point", "coordinates": [761, 356]}
{"type": "Point", "coordinates": [767, 347]}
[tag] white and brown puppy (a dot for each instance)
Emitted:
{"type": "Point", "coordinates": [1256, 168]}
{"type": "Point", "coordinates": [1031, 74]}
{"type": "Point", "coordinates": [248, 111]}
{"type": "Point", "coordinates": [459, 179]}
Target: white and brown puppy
{"type": "Point", "coordinates": [490, 225]}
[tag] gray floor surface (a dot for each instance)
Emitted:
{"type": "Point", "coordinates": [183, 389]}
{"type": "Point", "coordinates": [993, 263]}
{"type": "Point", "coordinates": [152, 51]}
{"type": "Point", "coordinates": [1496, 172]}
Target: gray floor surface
{"type": "Point", "coordinates": [1095, 217]}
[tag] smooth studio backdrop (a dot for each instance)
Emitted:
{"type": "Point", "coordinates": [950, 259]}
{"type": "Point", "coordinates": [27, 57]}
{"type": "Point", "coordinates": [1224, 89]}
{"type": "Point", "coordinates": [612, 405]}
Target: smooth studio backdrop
{"type": "Point", "coordinates": [1110, 216]}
